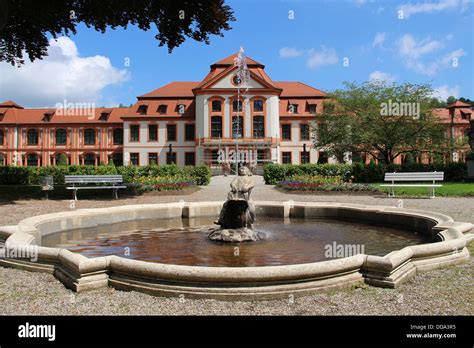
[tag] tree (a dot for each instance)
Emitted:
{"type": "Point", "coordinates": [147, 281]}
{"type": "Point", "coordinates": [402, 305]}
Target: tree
{"type": "Point", "coordinates": [450, 100]}
{"type": "Point", "coordinates": [62, 160]}
{"type": "Point", "coordinates": [382, 120]}
{"type": "Point", "coordinates": [24, 24]}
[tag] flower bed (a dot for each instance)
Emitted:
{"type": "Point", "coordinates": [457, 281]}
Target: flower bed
{"type": "Point", "coordinates": [322, 183]}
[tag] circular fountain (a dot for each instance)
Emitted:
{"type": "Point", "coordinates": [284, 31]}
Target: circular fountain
{"type": "Point", "coordinates": [92, 248]}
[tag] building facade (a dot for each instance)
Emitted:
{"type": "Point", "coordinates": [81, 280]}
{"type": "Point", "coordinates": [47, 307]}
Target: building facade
{"type": "Point", "coordinates": [185, 123]}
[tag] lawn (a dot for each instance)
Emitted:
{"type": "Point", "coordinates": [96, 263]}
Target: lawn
{"type": "Point", "coordinates": [452, 189]}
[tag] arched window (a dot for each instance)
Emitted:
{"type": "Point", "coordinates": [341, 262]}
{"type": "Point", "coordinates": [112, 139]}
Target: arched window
{"type": "Point", "coordinates": [61, 137]}
{"type": "Point", "coordinates": [32, 160]}
{"type": "Point", "coordinates": [258, 126]}
{"type": "Point", "coordinates": [32, 137]}
{"type": "Point", "coordinates": [237, 126]}
{"type": "Point", "coordinates": [118, 159]}
{"type": "Point", "coordinates": [216, 127]}
{"type": "Point", "coordinates": [61, 159]}
{"type": "Point", "coordinates": [118, 136]}
{"type": "Point", "coordinates": [2, 159]}
{"type": "Point", "coordinates": [89, 159]}
{"type": "Point", "coordinates": [89, 136]}
{"type": "Point", "coordinates": [2, 137]}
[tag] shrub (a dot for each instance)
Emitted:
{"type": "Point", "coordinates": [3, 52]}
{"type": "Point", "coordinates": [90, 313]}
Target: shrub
{"type": "Point", "coordinates": [62, 160]}
{"type": "Point", "coordinates": [10, 175]}
{"type": "Point", "coordinates": [163, 183]}
{"type": "Point", "coordinates": [359, 172]}
{"type": "Point", "coordinates": [321, 183]}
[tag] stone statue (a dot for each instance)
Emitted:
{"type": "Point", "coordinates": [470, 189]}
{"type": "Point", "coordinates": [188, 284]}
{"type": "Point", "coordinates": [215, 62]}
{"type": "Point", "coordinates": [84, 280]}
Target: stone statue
{"type": "Point", "coordinates": [238, 212]}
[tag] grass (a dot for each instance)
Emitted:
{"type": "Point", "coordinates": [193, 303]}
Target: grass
{"type": "Point", "coordinates": [449, 189]}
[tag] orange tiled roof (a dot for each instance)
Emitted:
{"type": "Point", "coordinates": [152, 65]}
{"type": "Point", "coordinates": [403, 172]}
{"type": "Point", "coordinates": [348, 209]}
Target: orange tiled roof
{"type": "Point", "coordinates": [14, 115]}
{"type": "Point", "coordinates": [173, 89]}
{"type": "Point", "coordinates": [459, 104]}
{"type": "Point", "coordinates": [298, 89]}
{"type": "Point", "coordinates": [231, 59]}
{"type": "Point", "coordinates": [172, 107]}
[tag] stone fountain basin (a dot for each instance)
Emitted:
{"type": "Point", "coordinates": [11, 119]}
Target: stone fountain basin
{"type": "Point", "coordinates": [80, 273]}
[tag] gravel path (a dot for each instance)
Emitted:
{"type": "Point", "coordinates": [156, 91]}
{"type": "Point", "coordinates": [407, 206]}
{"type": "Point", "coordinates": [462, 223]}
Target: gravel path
{"type": "Point", "coordinates": [439, 292]}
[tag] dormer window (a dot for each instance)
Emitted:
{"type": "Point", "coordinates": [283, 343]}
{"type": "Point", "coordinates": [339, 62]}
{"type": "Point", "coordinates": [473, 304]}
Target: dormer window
{"type": "Point", "coordinates": [48, 115]}
{"type": "Point", "coordinates": [312, 108]}
{"type": "Point", "coordinates": [162, 109]}
{"type": "Point", "coordinates": [104, 115]}
{"type": "Point", "coordinates": [142, 109]}
{"type": "Point", "coordinates": [181, 108]}
{"type": "Point", "coordinates": [293, 108]}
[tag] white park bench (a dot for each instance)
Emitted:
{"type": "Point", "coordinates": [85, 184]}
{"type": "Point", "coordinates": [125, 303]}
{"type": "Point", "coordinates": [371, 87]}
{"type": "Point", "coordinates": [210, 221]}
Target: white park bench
{"type": "Point", "coordinates": [111, 182]}
{"type": "Point", "coordinates": [412, 177]}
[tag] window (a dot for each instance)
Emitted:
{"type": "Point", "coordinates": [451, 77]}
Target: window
{"type": "Point", "coordinates": [322, 157]}
{"type": "Point", "coordinates": [258, 105]}
{"type": "Point", "coordinates": [89, 159]}
{"type": "Point", "coordinates": [152, 132]}
{"type": "Point", "coordinates": [304, 157]}
{"type": "Point", "coordinates": [61, 137]}
{"type": "Point", "coordinates": [89, 136]}
{"type": "Point", "coordinates": [286, 157]}
{"type": "Point", "coordinates": [214, 157]}
{"type": "Point", "coordinates": [189, 159]}
{"type": "Point", "coordinates": [216, 127]}
{"type": "Point", "coordinates": [304, 131]}
{"type": "Point", "coordinates": [181, 109]}
{"type": "Point", "coordinates": [171, 132]}
{"type": "Point", "coordinates": [162, 109]}
{"type": "Point", "coordinates": [171, 158]}
{"type": "Point", "coordinates": [59, 157]}
{"type": "Point", "coordinates": [286, 131]}
{"type": "Point", "coordinates": [189, 132]}
{"type": "Point", "coordinates": [152, 158]}
{"type": "Point", "coordinates": [261, 155]}
{"type": "Point", "coordinates": [2, 137]}
{"type": "Point", "coordinates": [237, 126]}
{"type": "Point", "coordinates": [104, 116]}
{"type": "Point", "coordinates": [237, 105]}
{"type": "Point", "coordinates": [216, 106]}
{"type": "Point", "coordinates": [118, 159]}
{"type": "Point", "coordinates": [293, 108]}
{"type": "Point", "coordinates": [236, 80]}
{"type": "Point", "coordinates": [258, 126]}
{"type": "Point", "coordinates": [118, 136]}
{"type": "Point", "coordinates": [312, 108]}
{"type": "Point", "coordinates": [134, 133]}
{"type": "Point", "coordinates": [142, 109]}
{"type": "Point", "coordinates": [134, 159]}
{"type": "Point", "coordinates": [2, 159]}
{"type": "Point", "coordinates": [32, 160]}
{"type": "Point", "coordinates": [32, 137]}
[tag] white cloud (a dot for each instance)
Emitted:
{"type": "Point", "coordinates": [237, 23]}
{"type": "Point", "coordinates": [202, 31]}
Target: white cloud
{"type": "Point", "coordinates": [410, 48]}
{"type": "Point", "coordinates": [381, 76]}
{"type": "Point", "coordinates": [413, 52]}
{"type": "Point", "coordinates": [444, 91]}
{"type": "Point", "coordinates": [63, 74]}
{"type": "Point", "coordinates": [289, 52]}
{"type": "Point", "coordinates": [428, 7]}
{"type": "Point", "coordinates": [325, 56]}
{"type": "Point", "coordinates": [378, 40]}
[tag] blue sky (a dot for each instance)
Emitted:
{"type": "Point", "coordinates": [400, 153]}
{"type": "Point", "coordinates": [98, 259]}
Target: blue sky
{"type": "Point", "coordinates": [298, 40]}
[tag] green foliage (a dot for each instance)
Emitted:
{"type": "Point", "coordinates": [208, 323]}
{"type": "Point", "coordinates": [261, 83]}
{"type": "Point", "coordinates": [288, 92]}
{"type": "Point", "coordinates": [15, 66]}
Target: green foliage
{"type": "Point", "coordinates": [274, 173]}
{"type": "Point", "coordinates": [62, 160]}
{"type": "Point", "coordinates": [359, 172]}
{"type": "Point", "coordinates": [10, 175]}
{"type": "Point", "coordinates": [383, 120]}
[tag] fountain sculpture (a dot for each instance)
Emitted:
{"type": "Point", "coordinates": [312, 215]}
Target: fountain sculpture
{"type": "Point", "coordinates": [238, 212]}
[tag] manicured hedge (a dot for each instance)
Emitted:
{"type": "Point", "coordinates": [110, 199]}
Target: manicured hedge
{"type": "Point", "coordinates": [274, 173]}
{"type": "Point", "coordinates": [358, 172]}
{"type": "Point", "coordinates": [10, 175]}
